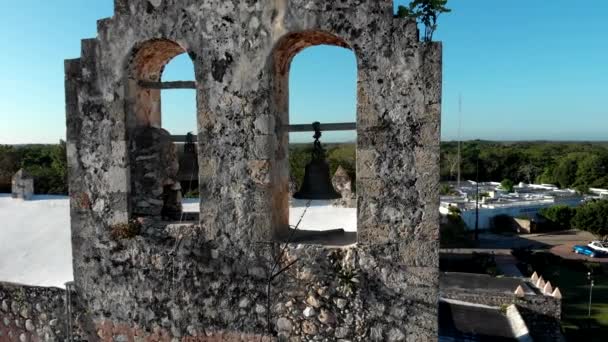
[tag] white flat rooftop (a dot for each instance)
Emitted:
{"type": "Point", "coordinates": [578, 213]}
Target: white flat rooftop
{"type": "Point", "coordinates": [35, 239]}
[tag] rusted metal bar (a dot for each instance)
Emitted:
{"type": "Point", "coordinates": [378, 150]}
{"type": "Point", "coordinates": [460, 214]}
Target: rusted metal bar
{"type": "Point", "coordinates": [342, 126]}
{"type": "Point", "coordinates": [328, 127]}
{"type": "Point", "coordinates": [181, 138]}
{"type": "Point", "coordinates": [168, 85]}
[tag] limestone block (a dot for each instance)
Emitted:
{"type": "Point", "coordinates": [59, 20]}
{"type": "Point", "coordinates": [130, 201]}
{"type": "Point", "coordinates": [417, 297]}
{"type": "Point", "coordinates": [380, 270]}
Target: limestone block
{"type": "Point", "coordinates": [22, 185]}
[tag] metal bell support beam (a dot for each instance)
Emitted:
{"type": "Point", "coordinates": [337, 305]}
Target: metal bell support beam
{"type": "Point", "coordinates": [340, 126]}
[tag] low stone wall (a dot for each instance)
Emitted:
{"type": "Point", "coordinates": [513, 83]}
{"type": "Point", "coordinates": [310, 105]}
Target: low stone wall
{"type": "Point", "coordinates": [176, 290]}
{"type": "Point", "coordinates": [108, 331]}
{"type": "Point", "coordinates": [523, 226]}
{"type": "Point", "coordinates": [168, 285]}
{"type": "Point", "coordinates": [542, 313]}
{"type": "Point", "coordinates": [32, 313]}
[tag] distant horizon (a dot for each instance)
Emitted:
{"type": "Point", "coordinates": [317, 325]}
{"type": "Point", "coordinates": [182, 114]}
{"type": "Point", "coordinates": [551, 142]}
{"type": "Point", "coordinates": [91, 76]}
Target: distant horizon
{"type": "Point", "coordinates": [354, 142]}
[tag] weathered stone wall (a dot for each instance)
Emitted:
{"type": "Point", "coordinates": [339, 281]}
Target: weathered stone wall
{"type": "Point", "coordinates": [154, 179]}
{"type": "Point", "coordinates": [211, 279]}
{"type": "Point", "coordinates": [32, 313]}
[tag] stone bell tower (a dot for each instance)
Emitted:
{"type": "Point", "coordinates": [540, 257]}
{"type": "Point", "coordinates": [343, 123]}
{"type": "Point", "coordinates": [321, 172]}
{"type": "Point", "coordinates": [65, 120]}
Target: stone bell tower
{"type": "Point", "coordinates": [235, 272]}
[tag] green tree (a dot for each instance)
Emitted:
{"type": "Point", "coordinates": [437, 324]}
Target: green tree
{"type": "Point", "coordinates": [507, 185]}
{"type": "Point", "coordinates": [592, 217]}
{"type": "Point", "coordinates": [528, 172]}
{"type": "Point", "coordinates": [453, 232]}
{"type": "Point", "coordinates": [565, 171]}
{"type": "Point", "coordinates": [590, 171]}
{"type": "Point", "coordinates": [447, 190]}
{"type": "Point", "coordinates": [299, 156]}
{"type": "Point", "coordinates": [10, 162]}
{"type": "Point", "coordinates": [578, 165]}
{"type": "Point", "coordinates": [426, 12]}
{"type": "Point", "coordinates": [559, 215]}
{"type": "Point", "coordinates": [546, 177]}
{"type": "Point", "coordinates": [48, 165]}
{"type": "Point", "coordinates": [453, 211]}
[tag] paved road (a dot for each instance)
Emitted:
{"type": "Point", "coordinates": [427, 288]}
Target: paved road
{"type": "Point", "coordinates": [502, 244]}
{"type": "Point", "coordinates": [559, 243]}
{"type": "Point", "coordinates": [535, 241]}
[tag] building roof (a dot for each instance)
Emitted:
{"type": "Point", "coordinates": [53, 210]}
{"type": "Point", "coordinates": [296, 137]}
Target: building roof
{"type": "Point", "coordinates": [460, 321]}
{"type": "Point", "coordinates": [482, 283]}
{"type": "Point", "coordinates": [523, 194]}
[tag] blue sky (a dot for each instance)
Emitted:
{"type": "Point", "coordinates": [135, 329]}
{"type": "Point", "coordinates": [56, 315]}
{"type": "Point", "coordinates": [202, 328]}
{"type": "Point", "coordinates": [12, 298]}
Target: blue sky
{"type": "Point", "coordinates": [525, 69]}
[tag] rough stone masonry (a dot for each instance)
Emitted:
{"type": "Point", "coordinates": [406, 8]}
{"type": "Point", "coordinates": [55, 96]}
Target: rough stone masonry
{"type": "Point", "coordinates": [22, 185]}
{"type": "Point", "coordinates": [232, 274]}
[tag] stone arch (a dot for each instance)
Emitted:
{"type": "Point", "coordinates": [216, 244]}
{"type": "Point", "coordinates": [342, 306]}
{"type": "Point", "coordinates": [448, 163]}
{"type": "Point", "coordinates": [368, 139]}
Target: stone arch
{"type": "Point", "coordinates": [284, 51]}
{"type": "Point", "coordinates": [154, 163]}
{"type": "Point", "coordinates": [147, 63]}
{"type": "Point", "coordinates": [291, 44]}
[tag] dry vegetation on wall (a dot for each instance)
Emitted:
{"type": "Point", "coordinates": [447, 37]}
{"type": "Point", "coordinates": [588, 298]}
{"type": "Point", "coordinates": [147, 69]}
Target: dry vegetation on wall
{"type": "Point", "coordinates": [127, 230]}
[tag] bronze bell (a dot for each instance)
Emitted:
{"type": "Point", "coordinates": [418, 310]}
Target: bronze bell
{"type": "Point", "coordinates": [317, 182]}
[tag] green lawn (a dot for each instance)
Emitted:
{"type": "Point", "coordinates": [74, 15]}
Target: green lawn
{"type": "Point", "coordinates": [575, 289]}
{"type": "Point", "coordinates": [571, 278]}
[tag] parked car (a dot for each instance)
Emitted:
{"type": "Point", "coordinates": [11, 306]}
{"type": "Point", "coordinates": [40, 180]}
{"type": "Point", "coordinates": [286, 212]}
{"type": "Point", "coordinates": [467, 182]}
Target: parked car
{"type": "Point", "coordinates": [599, 246]}
{"type": "Point", "coordinates": [586, 250]}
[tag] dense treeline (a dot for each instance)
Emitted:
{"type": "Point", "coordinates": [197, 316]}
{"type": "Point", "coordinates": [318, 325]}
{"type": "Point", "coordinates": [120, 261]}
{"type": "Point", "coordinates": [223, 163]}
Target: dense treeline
{"type": "Point", "coordinates": [574, 165]}
{"type": "Point", "coordinates": [579, 165]}
{"type": "Point", "coordinates": [592, 216]}
{"type": "Point", "coordinates": [46, 163]}
{"type": "Point", "coordinates": [559, 216]}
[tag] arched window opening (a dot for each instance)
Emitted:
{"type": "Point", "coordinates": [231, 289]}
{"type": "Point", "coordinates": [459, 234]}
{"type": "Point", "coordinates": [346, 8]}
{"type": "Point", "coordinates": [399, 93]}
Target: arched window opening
{"type": "Point", "coordinates": [160, 114]}
{"type": "Point", "coordinates": [179, 118]}
{"type": "Point", "coordinates": [317, 82]}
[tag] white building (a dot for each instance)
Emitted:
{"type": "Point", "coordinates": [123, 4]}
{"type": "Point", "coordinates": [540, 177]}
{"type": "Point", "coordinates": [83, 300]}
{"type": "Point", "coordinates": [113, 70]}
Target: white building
{"type": "Point", "coordinates": [599, 193]}
{"type": "Point", "coordinates": [525, 202]}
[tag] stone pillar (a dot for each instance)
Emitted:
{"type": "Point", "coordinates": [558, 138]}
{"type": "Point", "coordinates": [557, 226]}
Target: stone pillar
{"type": "Point", "coordinates": [156, 190]}
{"type": "Point", "coordinates": [293, 186]}
{"type": "Point", "coordinates": [343, 185]}
{"type": "Point", "coordinates": [22, 185]}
